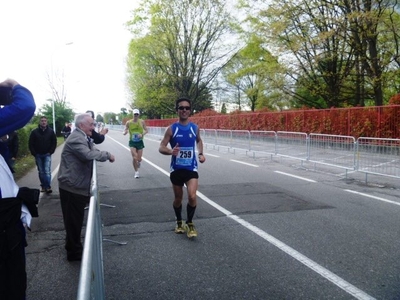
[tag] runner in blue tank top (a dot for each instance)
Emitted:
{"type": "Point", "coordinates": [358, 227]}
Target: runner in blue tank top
{"type": "Point", "coordinates": [183, 137]}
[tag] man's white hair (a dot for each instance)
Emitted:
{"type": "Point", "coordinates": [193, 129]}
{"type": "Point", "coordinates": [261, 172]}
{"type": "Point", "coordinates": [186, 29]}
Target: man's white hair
{"type": "Point", "coordinates": [80, 119]}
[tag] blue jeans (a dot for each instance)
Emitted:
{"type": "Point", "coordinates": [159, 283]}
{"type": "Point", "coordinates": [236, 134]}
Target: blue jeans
{"type": "Point", "coordinates": [43, 163]}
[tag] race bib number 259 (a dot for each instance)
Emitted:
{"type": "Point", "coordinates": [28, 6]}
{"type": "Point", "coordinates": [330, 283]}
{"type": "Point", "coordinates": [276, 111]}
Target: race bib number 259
{"type": "Point", "coordinates": [185, 156]}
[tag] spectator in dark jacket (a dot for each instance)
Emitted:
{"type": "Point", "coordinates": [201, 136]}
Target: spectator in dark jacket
{"type": "Point", "coordinates": [42, 144]}
{"type": "Point", "coordinates": [66, 130]}
{"type": "Point", "coordinates": [97, 137]}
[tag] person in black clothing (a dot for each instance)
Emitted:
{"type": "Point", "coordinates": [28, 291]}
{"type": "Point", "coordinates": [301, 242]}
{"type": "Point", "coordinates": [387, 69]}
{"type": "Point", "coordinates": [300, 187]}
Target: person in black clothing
{"type": "Point", "coordinates": [42, 144]}
{"type": "Point", "coordinates": [97, 137]}
{"type": "Point", "coordinates": [66, 130]}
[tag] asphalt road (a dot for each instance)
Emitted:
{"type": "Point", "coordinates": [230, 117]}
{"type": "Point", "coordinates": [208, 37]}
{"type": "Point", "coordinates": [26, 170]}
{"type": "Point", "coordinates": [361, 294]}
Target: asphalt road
{"type": "Point", "coordinates": [267, 230]}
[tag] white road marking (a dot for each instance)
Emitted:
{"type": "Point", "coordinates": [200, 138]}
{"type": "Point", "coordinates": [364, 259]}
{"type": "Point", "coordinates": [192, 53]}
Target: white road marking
{"type": "Point", "coordinates": [146, 160]}
{"type": "Point", "coordinates": [374, 197]}
{"type": "Point", "coordinates": [213, 155]}
{"type": "Point", "coordinates": [244, 163]}
{"type": "Point", "coordinates": [53, 175]}
{"type": "Point", "coordinates": [338, 281]}
{"type": "Point", "coordinates": [298, 177]}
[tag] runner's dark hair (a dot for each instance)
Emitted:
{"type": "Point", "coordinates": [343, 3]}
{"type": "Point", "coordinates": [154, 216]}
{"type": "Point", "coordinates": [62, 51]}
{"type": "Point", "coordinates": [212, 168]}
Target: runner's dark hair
{"type": "Point", "coordinates": [180, 99]}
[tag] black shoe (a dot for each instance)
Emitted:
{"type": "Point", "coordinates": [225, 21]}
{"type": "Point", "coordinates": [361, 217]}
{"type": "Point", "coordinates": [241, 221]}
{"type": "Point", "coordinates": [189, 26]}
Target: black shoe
{"type": "Point", "coordinates": [49, 191]}
{"type": "Point", "coordinates": [42, 190]}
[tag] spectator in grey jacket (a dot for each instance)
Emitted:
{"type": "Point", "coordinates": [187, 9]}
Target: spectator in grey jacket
{"type": "Point", "coordinates": [74, 179]}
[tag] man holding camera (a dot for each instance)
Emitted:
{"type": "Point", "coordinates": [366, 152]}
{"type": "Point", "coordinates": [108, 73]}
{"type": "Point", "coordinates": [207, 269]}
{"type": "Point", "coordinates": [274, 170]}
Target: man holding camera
{"type": "Point", "coordinates": [18, 107]}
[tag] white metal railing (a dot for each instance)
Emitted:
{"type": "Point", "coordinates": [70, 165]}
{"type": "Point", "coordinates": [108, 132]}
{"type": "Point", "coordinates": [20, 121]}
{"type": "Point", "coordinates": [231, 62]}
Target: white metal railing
{"type": "Point", "coordinates": [368, 155]}
{"type": "Point", "coordinates": [91, 277]}
{"type": "Point", "coordinates": [333, 150]}
{"type": "Point", "coordinates": [379, 156]}
{"type": "Point", "coordinates": [292, 144]}
{"type": "Point", "coordinates": [263, 141]}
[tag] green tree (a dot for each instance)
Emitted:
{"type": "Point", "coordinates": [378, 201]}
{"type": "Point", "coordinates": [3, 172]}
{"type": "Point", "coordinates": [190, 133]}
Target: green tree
{"type": "Point", "coordinates": [124, 111]}
{"type": "Point", "coordinates": [254, 72]}
{"type": "Point", "coordinates": [176, 51]}
{"type": "Point", "coordinates": [337, 51]}
{"type": "Point", "coordinates": [63, 113]}
{"type": "Point", "coordinates": [99, 118]}
{"type": "Point", "coordinates": [110, 118]}
{"type": "Point", "coordinates": [313, 34]}
{"type": "Point", "coordinates": [123, 114]}
{"type": "Point", "coordinates": [149, 86]}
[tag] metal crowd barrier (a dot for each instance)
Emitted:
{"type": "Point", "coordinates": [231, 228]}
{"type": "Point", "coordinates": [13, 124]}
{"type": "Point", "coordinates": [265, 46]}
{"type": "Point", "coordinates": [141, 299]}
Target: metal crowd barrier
{"type": "Point", "coordinates": [292, 144]}
{"type": "Point", "coordinates": [376, 156]}
{"type": "Point", "coordinates": [263, 141]}
{"type": "Point", "coordinates": [333, 150]}
{"type": "Point", "coordinates": [91, 277]}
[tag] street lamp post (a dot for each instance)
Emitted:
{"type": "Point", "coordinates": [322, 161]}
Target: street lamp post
{"type": "Point", "coordinates": [54, 115]}
{"type": "Point", "coordinates": [54, 95]}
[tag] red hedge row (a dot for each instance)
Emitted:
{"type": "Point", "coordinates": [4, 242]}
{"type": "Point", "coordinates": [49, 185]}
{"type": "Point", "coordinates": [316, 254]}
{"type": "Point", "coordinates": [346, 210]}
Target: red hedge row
{"type": "Point", "coordinates": [372, 121]}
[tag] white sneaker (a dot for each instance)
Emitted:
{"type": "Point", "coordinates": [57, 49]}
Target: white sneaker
{"type": "Point", "coordinates": [136, 174]}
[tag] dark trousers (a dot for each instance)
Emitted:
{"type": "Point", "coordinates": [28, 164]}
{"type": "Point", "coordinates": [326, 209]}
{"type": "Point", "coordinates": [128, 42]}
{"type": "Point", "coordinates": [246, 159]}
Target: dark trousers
{"type": "Point", "coordinates": [12, 251]}
{"type": "Point", "coordinates": [73, 210]}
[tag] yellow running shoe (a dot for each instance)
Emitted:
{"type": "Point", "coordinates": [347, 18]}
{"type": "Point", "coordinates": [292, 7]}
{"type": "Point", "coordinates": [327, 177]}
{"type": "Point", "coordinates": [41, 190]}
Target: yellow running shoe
{"type": "Point", "coordinates": [180, 227]}
{"type": "Point", "coordinates": [190, 230]}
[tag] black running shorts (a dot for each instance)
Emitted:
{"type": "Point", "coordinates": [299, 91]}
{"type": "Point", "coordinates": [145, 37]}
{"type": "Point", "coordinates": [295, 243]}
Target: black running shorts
{"type": "Point", "coordinates": [180, 177]}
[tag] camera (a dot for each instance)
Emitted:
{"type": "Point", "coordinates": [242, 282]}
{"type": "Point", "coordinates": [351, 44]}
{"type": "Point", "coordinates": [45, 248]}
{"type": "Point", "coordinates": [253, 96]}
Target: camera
{"type": "Point", "coordinates": [5, 95]}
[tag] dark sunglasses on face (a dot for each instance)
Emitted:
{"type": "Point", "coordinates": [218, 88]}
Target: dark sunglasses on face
{"type": "Point", "coordinates": [135, 114]}
{"type": "Point", "coordinates": [184, 107]}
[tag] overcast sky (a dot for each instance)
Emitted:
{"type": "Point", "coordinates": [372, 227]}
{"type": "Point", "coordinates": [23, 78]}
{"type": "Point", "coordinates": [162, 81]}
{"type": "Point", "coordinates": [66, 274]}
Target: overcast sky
{"type": "Point", "coordinates": [85, 39]}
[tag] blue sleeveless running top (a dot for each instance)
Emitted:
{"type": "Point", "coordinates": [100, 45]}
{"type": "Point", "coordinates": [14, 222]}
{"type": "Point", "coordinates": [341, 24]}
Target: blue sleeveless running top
{"type": "Point", "coordinates": [185, 136]}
